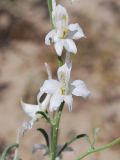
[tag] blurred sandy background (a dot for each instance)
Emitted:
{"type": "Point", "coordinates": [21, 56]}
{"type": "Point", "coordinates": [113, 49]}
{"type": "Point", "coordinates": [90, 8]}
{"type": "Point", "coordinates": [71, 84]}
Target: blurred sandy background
{"type": "Point", "coordinates": [23, 26]}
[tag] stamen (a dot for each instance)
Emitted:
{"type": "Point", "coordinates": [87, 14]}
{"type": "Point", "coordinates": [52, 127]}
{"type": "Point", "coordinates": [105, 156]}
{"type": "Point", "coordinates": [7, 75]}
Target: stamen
{"type": "Point", "coordinates": [62, 91]}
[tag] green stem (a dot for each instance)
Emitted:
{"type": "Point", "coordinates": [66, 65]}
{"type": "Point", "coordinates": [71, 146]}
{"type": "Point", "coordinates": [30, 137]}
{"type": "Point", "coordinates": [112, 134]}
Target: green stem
{"type": "Point", "coordinates": [50, 8]}
{"type": "Point", "coordinates": [55, 132]}
{"type": "Point", "coordinates": [93, 150]}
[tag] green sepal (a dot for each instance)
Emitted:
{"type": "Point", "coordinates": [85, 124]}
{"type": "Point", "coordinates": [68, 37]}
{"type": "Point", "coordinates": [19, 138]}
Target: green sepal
{"type": "Point", "coordinates": [7, 150]}
{"type": "Point", "coordinates": [71, 141]}
{"type": "Point", "coordinates": [44, 133]}
{"type": "Point", "coordinates": [60, 61]}
{"type": "Point", "coordinates": [44, 115]}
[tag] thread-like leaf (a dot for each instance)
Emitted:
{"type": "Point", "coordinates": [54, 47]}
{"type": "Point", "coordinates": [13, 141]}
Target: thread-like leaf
{"type": "Point", "coordinates": [71, 141]}
{"type": "Point", "coordinates": [7, 150]}
{"type": "Point", "coordinates": [44, 133]}
{"type": "Point", "coordinates": [95, 134]}
{"type": "Point", "coordinates": [99, 149]}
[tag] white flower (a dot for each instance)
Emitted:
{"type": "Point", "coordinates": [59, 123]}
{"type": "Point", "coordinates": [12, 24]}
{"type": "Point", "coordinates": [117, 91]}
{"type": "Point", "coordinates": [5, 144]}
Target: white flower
{"type": "Point", "coordinates": [43, 100]}
{"type": "Point", "coordinates": [63, 89]}
{"type": "Point", "coordinates": [63, 34]}
{"type": "Point", "coordinates": [31, 110]}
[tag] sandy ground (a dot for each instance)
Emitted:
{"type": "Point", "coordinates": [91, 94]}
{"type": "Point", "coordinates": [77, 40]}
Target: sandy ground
{"type": "Point", "coordinates": [22, 57]}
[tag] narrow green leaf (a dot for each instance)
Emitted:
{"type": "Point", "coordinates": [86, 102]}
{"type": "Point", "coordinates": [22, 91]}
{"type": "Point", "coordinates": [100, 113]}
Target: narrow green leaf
{"type": "Point", "coordinates": [7, 150]}
{"type": "Point", "coordinates": [69, 149]}
{"type": "Point", "coordinates": [71, 141]}
{"type": "Point", "coordinates": [44, 133]}
{"type": "Point", "coordinates": [44, 115]}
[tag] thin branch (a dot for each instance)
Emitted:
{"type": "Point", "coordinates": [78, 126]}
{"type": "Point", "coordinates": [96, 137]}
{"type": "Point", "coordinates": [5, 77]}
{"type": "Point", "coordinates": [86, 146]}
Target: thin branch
{"type": "Point", "coordinates": [93, 150]}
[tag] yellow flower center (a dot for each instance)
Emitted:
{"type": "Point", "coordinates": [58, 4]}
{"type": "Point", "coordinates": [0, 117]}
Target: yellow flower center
{"type": "Point", "coordinates": [64, 33]}
{"type": "Point", "coordinates": [62, 91]}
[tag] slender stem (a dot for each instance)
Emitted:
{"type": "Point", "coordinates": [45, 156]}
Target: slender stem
{"type": "Point", "coordinates": [55, 132]}
{"type": "Point", "coordinates": [56, 119]}
{"type": "Point", "coordinates": [93, 150]}
{"type": "Point", "coordinates": [50, 8]}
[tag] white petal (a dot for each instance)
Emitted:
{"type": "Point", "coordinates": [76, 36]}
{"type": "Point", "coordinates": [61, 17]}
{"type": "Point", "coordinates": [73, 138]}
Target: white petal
{"type": "Point", "coordinates": [49, 86]}
{"type": "Point", "coordinates": [44, 104]}
{"type": "Point", "coordinates": [64, 72]}
{"type": "Point", "coordinates": [53, 4]}
{"type": "Point", "coordinates": [69, 101]}
{"type": "Point", "coordinates": [28, 125]}
{"type": "Point", "coordinates": [59, 47]}
{"type": "Point", "coordinates": [48, 69]}
{"type": "Point", "coordinates": [70, 46]}
{"type": "Point", "coordinates": [79, 32]}
{"type": "Point", "coordinates": [68, 58]}
{"type": "Point", "coordinates": [49, 37]}
{"type": "Point", "coordinates": [55, 101]}
{"type": "Point", "coordinates": [60, 17]}
{"type": "Point", "coordinates": [79, 89]}
{"type": "Point", "coordinates": [30, 109]}
{"type": "Point", "coordinates": [71, 34]}
{"type": "Point", "coordinates": [40, 94]}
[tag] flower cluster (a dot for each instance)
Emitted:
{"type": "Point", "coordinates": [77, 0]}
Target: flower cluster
{"type": "Point", "coordinates": [53, 92]}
